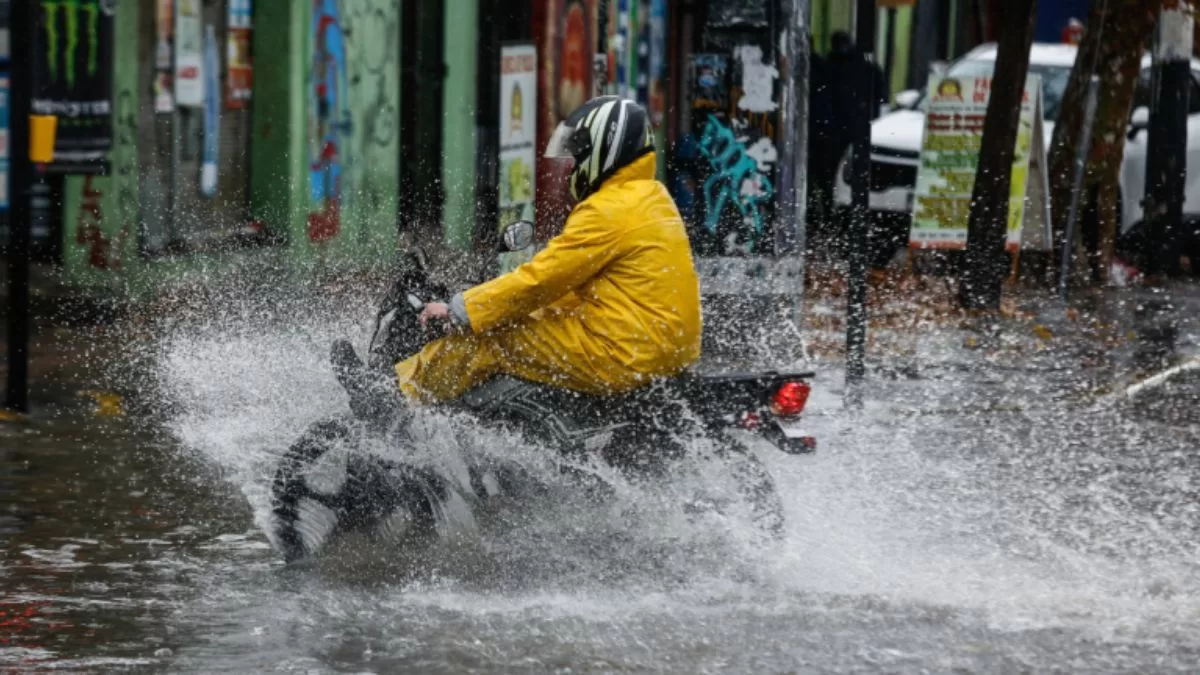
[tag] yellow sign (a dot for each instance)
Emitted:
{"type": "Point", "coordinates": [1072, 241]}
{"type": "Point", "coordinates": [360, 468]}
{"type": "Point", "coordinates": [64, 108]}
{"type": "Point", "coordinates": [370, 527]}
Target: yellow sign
{"type": "Point", "coordinates": [950, 157]}
{"type": "Point", "coordinates": [42, 130]}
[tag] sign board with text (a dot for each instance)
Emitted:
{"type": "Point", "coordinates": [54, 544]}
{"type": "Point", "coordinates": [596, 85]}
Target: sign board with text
{"type": "Point", "coordinates": [950, 156]}
{"type": "Point", "coordinates": [518, 140]}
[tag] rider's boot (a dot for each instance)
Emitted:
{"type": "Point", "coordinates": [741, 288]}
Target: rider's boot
{"type": "Point", "coordinates": [374, 397]}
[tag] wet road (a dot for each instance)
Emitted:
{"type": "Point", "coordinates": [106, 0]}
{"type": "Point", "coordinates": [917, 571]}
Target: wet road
{"type": "Point", "coordinates": [970, 520]}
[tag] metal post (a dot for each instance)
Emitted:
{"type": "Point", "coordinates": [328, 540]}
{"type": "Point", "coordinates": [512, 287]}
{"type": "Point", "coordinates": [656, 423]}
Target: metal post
{"type": "Point", "coordinates": [1081, 155]}
{"type": "Point", "coordinates": [21, 175]}
{"type": "Point", "coordinates": [793, 144]}
{"type": "Point", "coordinates": [856, 301]}
{"type": "Point", "coordinates": [1166, 164]}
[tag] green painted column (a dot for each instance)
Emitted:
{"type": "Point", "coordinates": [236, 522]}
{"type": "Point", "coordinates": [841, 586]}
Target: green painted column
{"type": "Point", "coordinates": [901, 46]}
{"type": "Point", "coordinates": [101, 213]}
{"type": "Point", "coordinates": [371, 166]}
{"type": "Point", "coordinates": [279, 178]}
{"type": "Point", "coordinates": [819, 26]}
{"type": "Point", "coordinates": [458, 132]}
{"type": "Point", "coordinates": [903, 52]}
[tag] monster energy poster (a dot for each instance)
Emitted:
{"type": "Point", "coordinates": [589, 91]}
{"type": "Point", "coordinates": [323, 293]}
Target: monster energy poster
{"type": "Point", "coordinates": [73, 79]}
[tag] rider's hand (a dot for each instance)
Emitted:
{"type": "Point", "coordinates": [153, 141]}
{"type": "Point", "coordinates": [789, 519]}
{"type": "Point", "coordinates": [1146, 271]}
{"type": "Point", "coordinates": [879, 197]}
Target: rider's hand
{"type": "Point", "coordinates": [435, 310]}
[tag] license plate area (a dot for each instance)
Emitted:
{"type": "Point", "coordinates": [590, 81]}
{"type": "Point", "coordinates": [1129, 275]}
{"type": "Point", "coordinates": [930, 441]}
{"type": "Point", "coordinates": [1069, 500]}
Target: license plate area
{"type": "Point", "coordinates": [792, 428]}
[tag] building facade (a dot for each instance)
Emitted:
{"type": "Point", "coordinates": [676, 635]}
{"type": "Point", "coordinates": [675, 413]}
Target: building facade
{"type": "Point", "coordinates": [319, 132]}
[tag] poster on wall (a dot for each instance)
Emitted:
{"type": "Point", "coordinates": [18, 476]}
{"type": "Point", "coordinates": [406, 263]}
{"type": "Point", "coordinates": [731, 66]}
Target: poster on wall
{"type": "Point", "coordinates": [239, 69]}
{"type": "Point", "coordinates": [73, 80]}
{"type": "Point", "coordinates": [734, 134]}
{"type": "Point", "coordinates": [657, 61]}
{"type": "Point", "coordinates": [212, 113]}
{"type": "Point", "coordinates": [189, 54]}
{"type": "Point", "coordinates": [950, 156]}
{"type": "Point", "coordinates": [568, 46]}
{"type": "Point", "coordinates": [518, 132]}
{"type": "Point", "coordinates": [3, 142]}
{"type": "Point", "coordinates": [328, 111]}
{"type": "Point", "coordinates": [164, 56]}
{"type": "Point", "coordinates": [710, 90]}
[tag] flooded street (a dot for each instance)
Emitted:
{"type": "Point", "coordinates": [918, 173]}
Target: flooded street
{"type": "Point", "coordinates": [970, 520]}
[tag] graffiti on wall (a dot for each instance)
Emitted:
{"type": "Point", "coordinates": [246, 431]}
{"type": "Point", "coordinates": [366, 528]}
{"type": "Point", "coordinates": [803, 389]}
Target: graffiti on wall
{"type": "Point", "coordinates": [739, 178]}
{"type": "Point", "coordinates": [102, 226]}
{"type": "Point", "coordinates": [735, 139]}
{"type": "Point", "coordinates": [103, 252]}
{"type": "Point", "coordinates": [329, 120]}
{"type": "Point", "coordinates": [568, 47]}
{"type": "Point", "coordinates": [372, 53]}
{"type": "Point", "coordinates": [353, 93]}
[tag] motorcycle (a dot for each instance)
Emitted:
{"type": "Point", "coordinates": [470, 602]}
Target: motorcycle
{"type": "Point", "coordinates": [643, 434]}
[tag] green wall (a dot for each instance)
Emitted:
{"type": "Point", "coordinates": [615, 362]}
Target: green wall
{"type": "Point", "coordinates": [363, 124]}
{"type": "Point", "coordinates": [830, 16]}
{"type": "Point", "coordinates": [372, 168]}
{"type": "Point", "coordinates": [278, 174]}
{"type": "Point", "coordinates": [458, 132]}
{"type": "Point", "coordinates": [902, 48]}
{"type": "Point", "coordinates": [101, 213]}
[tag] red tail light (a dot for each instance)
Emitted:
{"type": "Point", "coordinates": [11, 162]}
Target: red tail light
{"type": "Point", "coordinates": [790, 398]}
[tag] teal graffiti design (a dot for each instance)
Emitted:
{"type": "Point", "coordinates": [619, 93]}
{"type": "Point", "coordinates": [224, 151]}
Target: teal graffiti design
{"type": "Point", "coordinates": [732, 167]}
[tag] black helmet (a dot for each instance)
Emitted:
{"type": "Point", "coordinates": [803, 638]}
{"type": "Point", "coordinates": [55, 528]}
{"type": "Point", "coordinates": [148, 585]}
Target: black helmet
{"type": "Point", "coordinates": [603, 135]}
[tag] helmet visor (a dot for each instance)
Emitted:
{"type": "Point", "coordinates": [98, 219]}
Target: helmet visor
{"type": "Point", "coordinates": [559, 145]}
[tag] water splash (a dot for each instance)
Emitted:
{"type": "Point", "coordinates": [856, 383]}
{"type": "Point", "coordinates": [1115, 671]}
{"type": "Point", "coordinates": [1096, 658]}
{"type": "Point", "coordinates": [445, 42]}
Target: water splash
{"type": "Point", "coordinates": [1030, 518]}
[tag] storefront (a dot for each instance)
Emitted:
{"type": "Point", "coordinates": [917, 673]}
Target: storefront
{"type": "Point", "coordinates": [709, 73]}
{"type": "Point", "coordinates": [195, 165]}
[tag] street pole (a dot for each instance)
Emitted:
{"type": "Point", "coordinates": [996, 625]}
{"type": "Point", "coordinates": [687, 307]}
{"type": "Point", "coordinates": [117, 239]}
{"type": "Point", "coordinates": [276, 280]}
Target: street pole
{"type": "Point", "coordinates": [860, 190]}
{"type": "Point", "coordinates": [1166, 163]}
{"type": "Point", "coordinates": [21, 175]}
{"type": "Point", "coordinates": [790, 230]}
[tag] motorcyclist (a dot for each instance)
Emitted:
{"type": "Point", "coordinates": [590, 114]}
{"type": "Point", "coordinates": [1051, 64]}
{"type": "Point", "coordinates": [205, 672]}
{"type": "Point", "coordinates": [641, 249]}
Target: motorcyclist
{"type": "Point", "coordinates": [609, 304]}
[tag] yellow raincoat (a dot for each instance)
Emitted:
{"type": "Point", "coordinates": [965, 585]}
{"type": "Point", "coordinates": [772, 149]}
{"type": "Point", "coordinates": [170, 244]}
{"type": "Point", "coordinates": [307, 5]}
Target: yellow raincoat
{"type": "Point", "coordinates": [610, 304]}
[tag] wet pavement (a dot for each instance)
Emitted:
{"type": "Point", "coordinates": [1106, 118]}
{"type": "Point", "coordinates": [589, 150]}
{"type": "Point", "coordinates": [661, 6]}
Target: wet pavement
{"type": "Point", "coordinates": [993, 509]}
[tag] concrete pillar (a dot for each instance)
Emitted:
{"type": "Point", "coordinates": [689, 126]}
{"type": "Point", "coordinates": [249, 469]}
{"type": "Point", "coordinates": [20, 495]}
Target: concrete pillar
{"type": "Point", "coordinates": [279, 178]}
{"type": "Point", "coordinates": [101, 213]}
{"type": "Point", "coordinates": [458, 137]}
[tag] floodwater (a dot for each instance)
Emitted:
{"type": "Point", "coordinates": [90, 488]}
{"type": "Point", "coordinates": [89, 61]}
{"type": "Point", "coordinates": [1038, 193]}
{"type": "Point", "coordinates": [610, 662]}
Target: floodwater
{"type": "Point", "coordinates": [982, 519]}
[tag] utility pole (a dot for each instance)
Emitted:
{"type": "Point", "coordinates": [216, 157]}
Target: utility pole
{"type": "Point", "coordinates": [790, 231]}
{"type": "Point", "coordinates": [985, 261]}
{"type": "Point", "coordinates": [21, 175]}
{"type": "Point", "coordinates": [860, 213]}
{"type": "Point", "coordinates": [1166, 163]}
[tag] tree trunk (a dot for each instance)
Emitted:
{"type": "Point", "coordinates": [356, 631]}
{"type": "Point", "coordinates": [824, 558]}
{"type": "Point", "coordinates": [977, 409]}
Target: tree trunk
{"type": "Point", "coordinates": [987, 228]}
{"type": "Point", "coordinates": [1114, 45]}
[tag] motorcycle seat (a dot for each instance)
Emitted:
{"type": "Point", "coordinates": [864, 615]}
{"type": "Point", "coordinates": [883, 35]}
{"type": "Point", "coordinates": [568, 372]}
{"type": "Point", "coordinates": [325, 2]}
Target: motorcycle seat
{"type": "Point", "coordinates": [730, 389]}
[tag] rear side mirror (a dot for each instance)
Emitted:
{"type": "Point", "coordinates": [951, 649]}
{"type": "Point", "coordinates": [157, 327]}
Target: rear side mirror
{"type": "Point", "coordinates": [1138, 121]}
{"type": "Point", "coordinates": [907, 100]}
{"type": "Point", "coordinates": [516, 236]}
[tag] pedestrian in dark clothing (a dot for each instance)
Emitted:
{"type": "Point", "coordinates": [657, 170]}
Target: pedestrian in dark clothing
{"type": "Point", "coordinates": [843, 72]}
{"type": "Point", "coordinates": [844, 64]}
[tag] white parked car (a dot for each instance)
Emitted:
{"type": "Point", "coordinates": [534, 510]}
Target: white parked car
{"type": "Point", "coordinates": [896, 145]}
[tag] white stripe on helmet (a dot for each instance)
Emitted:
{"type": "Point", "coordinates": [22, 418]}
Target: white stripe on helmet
{"type": "Point", "coordinates": [615, 148]}
{"type": "Point", "coordinates": [603, 114]}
